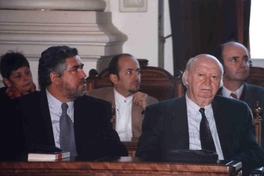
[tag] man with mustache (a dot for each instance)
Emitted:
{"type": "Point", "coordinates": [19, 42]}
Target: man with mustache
{"type": "Point", "coordinates": [62, 83]}
{"type": "Point", "coordinates": [235, 60]}
{"type": "Point", "coordinates": [129, 103]}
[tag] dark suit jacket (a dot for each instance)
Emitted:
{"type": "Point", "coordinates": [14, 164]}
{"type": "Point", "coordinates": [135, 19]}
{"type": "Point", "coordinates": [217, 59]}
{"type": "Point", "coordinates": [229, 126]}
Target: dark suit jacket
{"type": "Point", "coordinates": [94, 135]}
{"type": "Point", "coordinates": [165, 128]}
{"type": "Point", "coordinates": [251, 94]}
{"type": "Point", "coordinates": [5, 124]}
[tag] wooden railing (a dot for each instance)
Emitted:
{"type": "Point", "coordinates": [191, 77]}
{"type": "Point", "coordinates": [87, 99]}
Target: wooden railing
{"type": "Point", "coordinates": [124, 166]}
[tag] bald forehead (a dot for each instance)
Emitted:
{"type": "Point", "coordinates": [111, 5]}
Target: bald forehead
{"type": "Point", "coordinates": [235, 45]}
{"type": "Point", "coordinates": [126, 59]}
{"type": "Point", "coordinates": [204, 58]}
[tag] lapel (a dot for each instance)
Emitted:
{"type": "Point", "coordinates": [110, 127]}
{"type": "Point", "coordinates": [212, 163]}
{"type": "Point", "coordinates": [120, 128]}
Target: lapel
{"type": "Point", "coordinates": [110, 96]}
{"type": "Point", "coordinates": [220, 91]}
{"type": "Point", "coordinates": [78, 116]}
{"type": "Point", "coordinates": [221, 120]}
{"type": "Point", "coordinates": [47, 130]}
{"type": "Point", "coordinates": [180, 124]}
{"type": "Point", "coordinates": [243, 95]}
{"type": "Point", "coordinates": [137, 119]}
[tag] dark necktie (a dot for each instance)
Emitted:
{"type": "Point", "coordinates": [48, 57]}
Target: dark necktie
{"type": "Point", "coordinates": [233, 95]}
{"type": "Point", "coordinates": [207, 142]}
{"type": "Point", "coordinates": [67, 138]}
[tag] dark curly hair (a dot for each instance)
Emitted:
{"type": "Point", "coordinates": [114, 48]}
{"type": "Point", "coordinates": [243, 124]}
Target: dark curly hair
{"type": "Point", "coordinates": [53, 60]}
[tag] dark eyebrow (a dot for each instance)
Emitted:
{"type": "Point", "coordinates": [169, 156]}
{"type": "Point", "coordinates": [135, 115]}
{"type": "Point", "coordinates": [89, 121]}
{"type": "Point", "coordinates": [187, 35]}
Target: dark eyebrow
{"type": "Point", "coordinates": [77, 66]}
{"type": "Point", "coordinates": [234, 57]}
{"type": "Point", "coordinates": [132, 69]}
{"type": "Point", "coordinates": [246, 56]}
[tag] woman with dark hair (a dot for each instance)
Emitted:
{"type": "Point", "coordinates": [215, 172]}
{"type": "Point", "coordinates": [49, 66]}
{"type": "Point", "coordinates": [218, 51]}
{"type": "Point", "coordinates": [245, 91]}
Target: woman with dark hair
{"type": "Point", "coordinates": [17, 76]}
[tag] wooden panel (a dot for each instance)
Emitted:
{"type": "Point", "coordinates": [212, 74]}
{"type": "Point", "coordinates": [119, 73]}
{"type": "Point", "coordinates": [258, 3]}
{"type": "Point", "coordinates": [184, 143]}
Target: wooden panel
{"type": "Point", "coordinates": [155, 81]}
{"type": "Point", "coordinates": [256, 76]}
{"type": "Point", "coordinates": [124, 166]}
{"type": "Point", "coordinates": [131, 145]}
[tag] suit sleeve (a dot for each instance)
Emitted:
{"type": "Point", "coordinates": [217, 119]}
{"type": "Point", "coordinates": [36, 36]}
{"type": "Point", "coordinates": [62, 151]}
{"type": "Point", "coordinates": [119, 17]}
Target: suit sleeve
{"type": "Point", "coordinates": [102, 140]}
{"type": "Point", "coordinates": [148, 145]}
{"type": "Point", "coordinates": [11, 133]}
{"type": "Point", "coordinates": [251, 155]}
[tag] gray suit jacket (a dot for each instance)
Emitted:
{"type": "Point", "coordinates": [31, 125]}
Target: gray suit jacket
{"type": "Point", "coordinates": [107, 93]}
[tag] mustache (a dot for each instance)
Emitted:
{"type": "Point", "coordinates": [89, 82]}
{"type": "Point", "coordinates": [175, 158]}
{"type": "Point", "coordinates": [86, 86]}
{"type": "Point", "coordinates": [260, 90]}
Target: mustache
{"type": "Point", "coordinates": [83, 81]}
{"type": "Point", "coordinates": [137, 81]}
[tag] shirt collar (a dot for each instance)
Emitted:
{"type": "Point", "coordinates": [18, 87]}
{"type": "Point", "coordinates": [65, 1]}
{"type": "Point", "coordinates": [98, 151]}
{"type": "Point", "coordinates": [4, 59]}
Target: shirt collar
{"type": "Point", "coordinates": [226, 92]}
{"type": "Point", "coordinates": [120, 99]}
{"type": "Point", "coordinates": [195, 108]}
{"type": "Point", "coordinates": [55, 104]}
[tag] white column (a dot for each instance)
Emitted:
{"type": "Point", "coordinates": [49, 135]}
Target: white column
{"type": "Point", "coordinates": [31, 26]}
{"type": "Point", "coordinates": [86, 5]}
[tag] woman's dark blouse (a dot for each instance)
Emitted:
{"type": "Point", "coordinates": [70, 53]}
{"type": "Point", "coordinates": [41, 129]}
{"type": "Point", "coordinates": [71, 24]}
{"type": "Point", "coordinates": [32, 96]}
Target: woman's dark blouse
{"type": "Point", "coordinates": [3, 96]}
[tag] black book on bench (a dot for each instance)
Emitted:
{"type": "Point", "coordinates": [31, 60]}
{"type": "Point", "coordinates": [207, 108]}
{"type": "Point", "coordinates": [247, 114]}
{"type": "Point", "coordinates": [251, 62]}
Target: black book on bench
{"type": "Point", "coordinates": [45, 153]}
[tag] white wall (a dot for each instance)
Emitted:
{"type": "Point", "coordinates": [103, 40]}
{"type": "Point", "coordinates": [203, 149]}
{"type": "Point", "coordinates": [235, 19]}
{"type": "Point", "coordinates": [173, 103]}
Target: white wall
{"type": "Point", "coordinates": [141, 29]}
{"type": "Point", "coordinates": [168, 55]}
{"type": "Point", "coordinates": [256, 29]}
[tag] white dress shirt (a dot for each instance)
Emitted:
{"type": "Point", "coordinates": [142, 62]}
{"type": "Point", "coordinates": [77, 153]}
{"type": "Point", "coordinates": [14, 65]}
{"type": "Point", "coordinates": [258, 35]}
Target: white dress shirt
{"type": "Point", "coordinates": [123, 106]}
{"type": "Point", "coordinates": [194, 119]}
{"type": "Point", "coordinates": [238, 92]}
{"type": "Point", "coordinates": [55, 113]}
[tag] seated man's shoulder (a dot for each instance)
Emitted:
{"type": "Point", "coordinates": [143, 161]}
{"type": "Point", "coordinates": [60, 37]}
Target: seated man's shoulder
{"type": "Point", "coordinates": [252, 87]}
{"type": "Point", "coordinates": [93, 100]}
{"type": "Point", "coordinates": [29, 97]}
{"type": "Point", "coordinates": [99, 92]}
{"type": "Point", "coordinates": [168, 104]}
{"type": "Point", "coordinates": [3, 95]}
{"type": "Point", "coordinates": [152, 100]}
{"type": "Point", "coordinates": [229, 102]}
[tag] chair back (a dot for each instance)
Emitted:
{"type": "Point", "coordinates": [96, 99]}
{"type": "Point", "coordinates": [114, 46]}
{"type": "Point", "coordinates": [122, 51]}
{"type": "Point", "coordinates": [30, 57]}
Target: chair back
{"type": "Point", "coordinates": [256, 76]}
{"type": "Point", "coordinates": [155, 81]}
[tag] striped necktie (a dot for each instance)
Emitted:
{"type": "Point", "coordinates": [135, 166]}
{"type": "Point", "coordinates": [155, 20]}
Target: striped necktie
{"type": "Point", "coordinates": [207, 142]}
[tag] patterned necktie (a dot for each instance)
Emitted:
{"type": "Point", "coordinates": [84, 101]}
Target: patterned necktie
{"type": "Point", "coordinates": [233, 95]}
{"type": "Point", "coordinates": [207, 142]}
{"type": "Point", "coordinates": [67, 138]}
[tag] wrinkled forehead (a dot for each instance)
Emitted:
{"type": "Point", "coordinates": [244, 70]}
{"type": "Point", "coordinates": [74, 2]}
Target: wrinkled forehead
{"type": "Point", "coordinates": [207, 63]}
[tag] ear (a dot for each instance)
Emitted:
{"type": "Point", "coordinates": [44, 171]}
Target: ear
{"type": "Point", "coordinates": [54, 78]}
{"type": "Point", "coordinates": [221, 83]}
{"type": "Point", "coordinates": [7, 82]}
{"type": "Point", "coordinates": [185, 78]}
{"type": "Point", "coordinates": [113, 78]}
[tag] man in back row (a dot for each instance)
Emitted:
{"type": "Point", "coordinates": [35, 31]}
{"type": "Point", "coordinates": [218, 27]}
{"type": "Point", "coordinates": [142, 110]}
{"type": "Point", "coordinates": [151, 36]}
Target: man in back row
{"type": "Point", "coordinates": [235, 59]}
{"type": "Point", "coordinates": [61, 114]}
{"type": "Point", "coordinates": [201, 120]}
{"type": "Point", "coordinates": [129, 103]}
